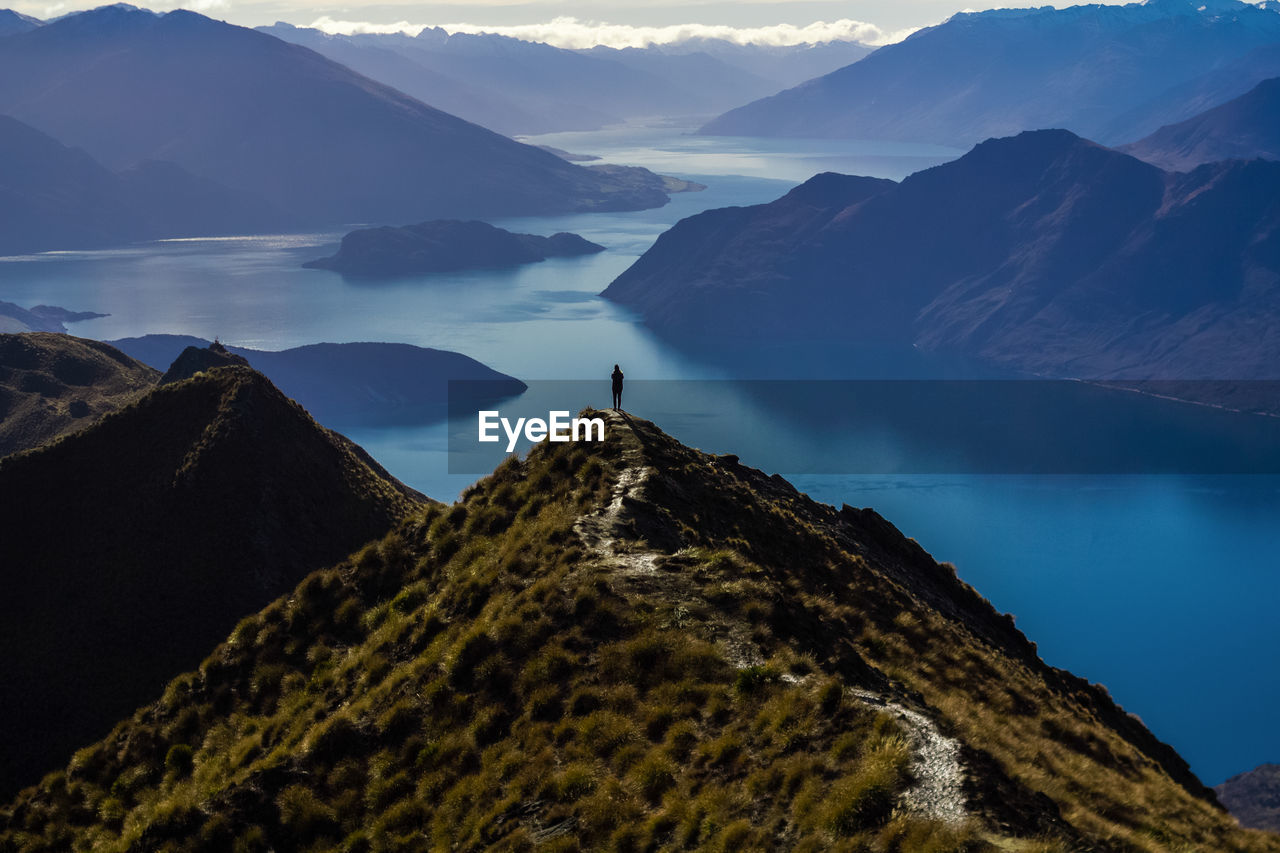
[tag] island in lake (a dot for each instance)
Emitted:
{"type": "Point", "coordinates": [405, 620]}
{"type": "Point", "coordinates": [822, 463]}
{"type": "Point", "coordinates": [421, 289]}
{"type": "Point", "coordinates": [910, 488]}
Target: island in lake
{"type": "Point", "coordinates": [445, 245]}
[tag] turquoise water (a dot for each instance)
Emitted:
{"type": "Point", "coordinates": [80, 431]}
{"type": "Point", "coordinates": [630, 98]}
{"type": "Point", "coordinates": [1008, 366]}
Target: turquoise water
{"type": "Point", "coordinates": [1161, 587]}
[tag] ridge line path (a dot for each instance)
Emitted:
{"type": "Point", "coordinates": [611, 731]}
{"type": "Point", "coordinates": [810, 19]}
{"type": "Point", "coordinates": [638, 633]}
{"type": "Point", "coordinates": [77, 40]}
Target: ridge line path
{"type": "Point", "coordinates": [937, 789]}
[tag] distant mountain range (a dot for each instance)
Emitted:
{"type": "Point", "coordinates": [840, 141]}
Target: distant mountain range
{"type": "Point", "coordinates": [55, 197]}
{"type": "Point", "coordinates": [307, 136]}
{"type": "Point", "coordinates": [783, 65]}
{"type": "Point", "coordinates": [1254, 797]}
{"type": "Point", "coordinates": [1245, 128]}
{"type": "Point", "coordinates": [53, 384]}
{"type": "Point", "coordinates": [515, 86]}
{"type": "Point", "coordinates": [135, 544]}
{"type": "Point", "coordinates": [12, 22]}
{"type": "Point", "coordinates": [1226, 81]}
{"type": "Point", "coordinates": [1111, 73]}
{"type": "Point", "coordinates": [1044, 253]}
{"type": "Point", "coordinates": [346, 384]}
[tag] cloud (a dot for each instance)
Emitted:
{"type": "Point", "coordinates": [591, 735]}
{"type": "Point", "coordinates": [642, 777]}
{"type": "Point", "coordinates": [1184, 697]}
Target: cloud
{"type": "Point", "coordinates": [349, 28]}
{"type": "Point", "coordinates": [574, 33]}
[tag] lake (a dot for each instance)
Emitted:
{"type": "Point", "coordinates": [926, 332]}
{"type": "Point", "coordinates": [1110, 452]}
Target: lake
{"type": "Point", "coordinates": [1163, 587]}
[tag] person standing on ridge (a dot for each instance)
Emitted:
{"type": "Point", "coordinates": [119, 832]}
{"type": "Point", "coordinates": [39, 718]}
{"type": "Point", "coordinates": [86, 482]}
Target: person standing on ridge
{"type": "Point", "coordinates": [617, 388]}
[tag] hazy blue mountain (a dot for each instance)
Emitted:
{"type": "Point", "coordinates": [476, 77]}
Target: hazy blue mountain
{"type": "Point", "coordinates": [444, 245]}
{"type": "Point", "coordinates": [12, 22]}
{"type": "Point", "coordinates": [995, 73]}
{"type": "Point", "coordinates": [772, 67]}
{"type": "Point", "coordinates": [1244, 128]}
{"type": "Point", "coordinates": [708, 85]}
{"type": "Point", "coordinates": [55, 197]}
{"type": "Point", "coordinates": [507, 84]}
{"type": "Point", "coordinates": [319, 141]}
{"type": "Point", "coordinates": [395, 61]}
{"type": "Point", "coordinates": [1190, 98]}
{"type": "Point", "coordinates": [543, 76]}
{"type": "Point", "coordinates": [516, 86]}
{"type": "Point", "coordinates": [1044, 253]}
{"type": "Point", "coordinates": [343, 384]}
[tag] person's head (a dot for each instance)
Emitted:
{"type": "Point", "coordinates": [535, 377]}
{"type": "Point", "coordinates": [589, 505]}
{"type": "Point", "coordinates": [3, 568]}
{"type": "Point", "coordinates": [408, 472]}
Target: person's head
{"type": "Point", "coordinates": [616, 369]}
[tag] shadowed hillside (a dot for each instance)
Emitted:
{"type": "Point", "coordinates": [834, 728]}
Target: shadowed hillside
{"type": "Point", "coordinates": [1043, 253]}
{"type": "Point", "coordinates": [52, 384]}
{"type": "Point", "coordinates": [133, 546]}
{"type": "Point", "coordinates": [1254, 797]}
{"type": "Point", "coordinates": [1243, 129]}
{"type": "Point", "coordinates": [515, 86]}
{"type": "Point", "coordinates": [313, 138]}
{"type": "Point", "coordinates": [630, 645]}
{"type": "Point", "coordinates": [55, 197]}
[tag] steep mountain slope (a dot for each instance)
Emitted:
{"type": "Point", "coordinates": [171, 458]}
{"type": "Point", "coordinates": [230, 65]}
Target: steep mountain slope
{"type": "Point", "coordinates": [1189, 99]}
{"type": "Point", "coordinates": [515, 86]}
{"type": "Point", "coordinates": [394, 60]}
{"type": "Point", "coordinates": [312, 137]}
{"type": "Point", "coordinates": [996, 73]}
{"type": "Point", "coordinates": [52, 384]}
{"type": "Point", "coordinates": [1043, 253]}
{"type": "Point", "coordinates": [628, 647]}
{"type": "Point", "coordinates": [343, 384]}
{"type": "Point", "coordinates": [502, 83]}
{"type": "Point", "coordinates": [132, 546]}
{"type": "Point", "coordinates": [1245, 128]}
{"type": "Point", "coordinates": [55, 197]}
{"type": "Point", "coordinates": [1254, 797]}
{"type": "Point", "coordinates": [12, 23]}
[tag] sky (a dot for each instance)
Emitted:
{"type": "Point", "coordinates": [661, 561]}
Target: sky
{"type": "Point", "coordinates": [581, 23]}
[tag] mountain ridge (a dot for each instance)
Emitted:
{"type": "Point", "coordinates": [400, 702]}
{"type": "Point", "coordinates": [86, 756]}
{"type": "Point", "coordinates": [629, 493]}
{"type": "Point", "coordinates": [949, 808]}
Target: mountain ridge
{"type": "Point", "coordinates": [1245, 128]}
{"type": "Point", "coordinates": [632, 643]}
{"type": "Point", "coordinates": [57, 197]}
{"type": "Point", "coordinates": [996, 73]}
{"type": "Point", "coordinates": [12, 22]}
{"type": "Point", "coordinates": [195, 503]}
{"type": "Point", "coordinates": [1046, 254]}
{"type": "Point", "coordinates": [128, 85]}
{"type": "Point", "coordinates": [524, 87]}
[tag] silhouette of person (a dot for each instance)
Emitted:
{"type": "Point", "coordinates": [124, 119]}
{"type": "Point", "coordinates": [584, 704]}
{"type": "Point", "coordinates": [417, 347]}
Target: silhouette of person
{"type": "Point", "coordinates": [617, 387]}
